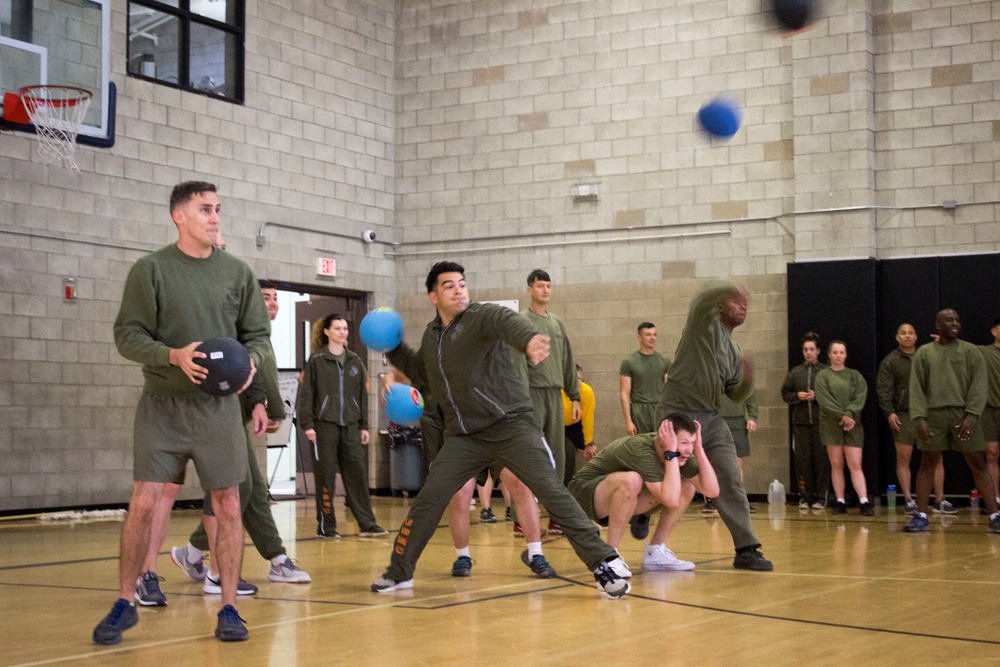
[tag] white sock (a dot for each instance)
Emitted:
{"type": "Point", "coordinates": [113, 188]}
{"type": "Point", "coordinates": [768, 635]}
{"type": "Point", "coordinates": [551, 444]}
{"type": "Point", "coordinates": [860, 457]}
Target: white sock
{"type": "Point", "coordinates": [921, 515]}
{"type": "Point", "coordinates": [534, 549]}
{"type": "Point", "coordinates": [841, 500]}
{"type": "Point", "coordinates": [464, 551]}
{"type": "Point", "coordinates": [994, 515]}
{"type": "Point", "coordinates": [193, 555]}
{"type": "Point", "coordinates": [279, 559]}
{"type": "Point", "coordinates": [864, 501]}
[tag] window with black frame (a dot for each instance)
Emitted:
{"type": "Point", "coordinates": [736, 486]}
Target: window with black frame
{"type": "Point", "coordinates": [196, 45]}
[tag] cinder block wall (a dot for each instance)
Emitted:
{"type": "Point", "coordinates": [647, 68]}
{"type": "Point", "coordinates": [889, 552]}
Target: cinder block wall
{"type": "Point", "coordinates": [458, 127]}
{"type": "Point", "coordinates": [312, 147]}
{"type": "Point", "coordinates": [853, 135]}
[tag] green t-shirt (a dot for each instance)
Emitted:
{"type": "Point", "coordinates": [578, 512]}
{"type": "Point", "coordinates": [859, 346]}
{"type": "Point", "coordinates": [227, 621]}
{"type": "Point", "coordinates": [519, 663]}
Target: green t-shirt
{"type": "Point", "coordinates": [948, 376]}
{"type": "Point", "coordinates": [991, 354]}
{"type": "Point", "coordinates": [646, 372]}
{"type": "Point", "coordinates": [171, 300]}
{"type": "Point", "coordinates": [635, 453]}
{"type": "Point", "coordinates": [557, 370]}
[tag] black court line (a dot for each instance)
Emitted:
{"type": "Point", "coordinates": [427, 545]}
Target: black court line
{"type": "Point", "coordinates": [827, 624]}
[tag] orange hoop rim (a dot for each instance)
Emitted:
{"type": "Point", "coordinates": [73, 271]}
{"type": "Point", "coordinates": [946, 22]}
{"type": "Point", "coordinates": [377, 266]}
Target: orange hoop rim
{"type": "Point", "coordinates": [82, 95]}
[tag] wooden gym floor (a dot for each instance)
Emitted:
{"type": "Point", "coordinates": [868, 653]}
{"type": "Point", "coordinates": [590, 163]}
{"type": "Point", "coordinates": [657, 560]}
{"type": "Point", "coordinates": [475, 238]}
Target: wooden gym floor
{"type": "Point", "coordinates": [845, 591]}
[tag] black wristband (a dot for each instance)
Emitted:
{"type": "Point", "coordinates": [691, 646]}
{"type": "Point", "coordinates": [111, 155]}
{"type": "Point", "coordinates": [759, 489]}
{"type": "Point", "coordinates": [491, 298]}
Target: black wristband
{"type": "Point", "coordinates": [670, 455]}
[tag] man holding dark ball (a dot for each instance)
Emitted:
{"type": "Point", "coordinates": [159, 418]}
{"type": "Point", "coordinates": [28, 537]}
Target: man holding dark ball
{"type": "Point", "coordinates": [174, 299]}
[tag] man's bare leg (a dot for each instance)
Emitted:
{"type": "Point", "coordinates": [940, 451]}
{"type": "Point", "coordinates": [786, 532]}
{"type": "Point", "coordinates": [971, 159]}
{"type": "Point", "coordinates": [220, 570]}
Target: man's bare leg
{"type": "Point", "coordinates": [227, 553]}
{"type": "Point", "coordinates": [134, 542]}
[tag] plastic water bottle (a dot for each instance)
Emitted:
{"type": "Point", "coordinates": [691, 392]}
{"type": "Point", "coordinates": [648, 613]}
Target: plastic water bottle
{"type": "Point", "coordinates": [890, 494]}
{"type": "Point", "coordinates": [776, 493]}
{"type": "Point", "coordinates": [974, 500]}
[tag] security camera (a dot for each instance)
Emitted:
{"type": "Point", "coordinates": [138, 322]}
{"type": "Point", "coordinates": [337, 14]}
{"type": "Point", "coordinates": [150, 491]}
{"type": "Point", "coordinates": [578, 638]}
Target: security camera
{"type": "Point", "coordinates": [368, 236]}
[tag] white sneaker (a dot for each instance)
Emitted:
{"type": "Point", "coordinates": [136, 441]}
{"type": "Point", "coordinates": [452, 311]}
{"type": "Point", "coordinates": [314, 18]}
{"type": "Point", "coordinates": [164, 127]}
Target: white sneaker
{"type": "Point", "coordinates": [610, 583]}
{"type": "Point", "coordinates": [659, 557]}
{"type": "Point", "coordinates": [620, 567]}
{"type": "Point", "coordinates": [213, 586]}
{"type": "Point", "coordinates": [288, 572]}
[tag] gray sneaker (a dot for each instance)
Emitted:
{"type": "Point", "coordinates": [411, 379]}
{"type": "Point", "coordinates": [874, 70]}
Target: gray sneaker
{"type": "Point", "coordinates": [147, 591]}
{"type": "Point", "coordinates": [386, 585]}
{"type": "Point", "coordinates": [910, 508]}
{"type": "Point", "coordinates": [213, 586]}
{"type": "Point", "coordinates": [944, 507]}
{"type": "Point", "coordinates": [288, 572]}
{"type": "Point", "coordinates": [194, 570]}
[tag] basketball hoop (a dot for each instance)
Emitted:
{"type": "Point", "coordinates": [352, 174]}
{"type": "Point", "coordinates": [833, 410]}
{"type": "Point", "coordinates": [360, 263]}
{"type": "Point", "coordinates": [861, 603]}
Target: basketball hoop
{"type": "Point", "coordinates": [57, 113]}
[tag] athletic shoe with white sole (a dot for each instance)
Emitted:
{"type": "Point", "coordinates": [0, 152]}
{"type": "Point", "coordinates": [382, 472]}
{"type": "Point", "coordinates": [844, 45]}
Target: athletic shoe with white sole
{"type": "Point", "coordinates": [194, 570]}
{"type": "Point", "coordinates": [944, 507]}
{"type": "Point", "coordinates": [213, 586]}
{"type": "Point", "coordinates": [386, 585]}
{"type": "Point", "coordinates": [147, 590]}
{"type": "Point", "coordinates": [910, 508]}
{"type": "Point", "coordinates": [620, 567]}
{"type": "Point", "coordinates": [373, 531]}
{"type": "Point", "coordinates": [539, 565]}
{"type": "Point", "coordinates": [659, 557]}
{"type": "Point", "coordinates": [288, 572]}
{"type": "Point", "coordinates": [122, 616]}
{"type": "Point", "coordinates": [608, 582]}
{"type": "Point", "coordinates": [462, 567]}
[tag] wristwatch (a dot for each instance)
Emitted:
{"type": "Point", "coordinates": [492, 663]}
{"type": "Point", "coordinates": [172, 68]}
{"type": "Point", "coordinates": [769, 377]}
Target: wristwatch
{"type": "Point", "coordinates": [670, 455]}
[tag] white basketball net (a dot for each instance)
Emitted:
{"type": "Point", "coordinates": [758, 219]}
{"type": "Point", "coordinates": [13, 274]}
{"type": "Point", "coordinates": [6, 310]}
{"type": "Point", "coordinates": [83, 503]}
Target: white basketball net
{"type": "Point", "coordinates": [57, 113]}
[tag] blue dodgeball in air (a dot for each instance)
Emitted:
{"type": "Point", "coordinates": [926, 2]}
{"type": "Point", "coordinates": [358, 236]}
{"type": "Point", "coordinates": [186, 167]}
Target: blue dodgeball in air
{"type": "Point", "coordinates": [382, 329]}
{"type": "Point", "coordinates": [404, 405]}
{"type": "Point", "coordinates": [720, 117]}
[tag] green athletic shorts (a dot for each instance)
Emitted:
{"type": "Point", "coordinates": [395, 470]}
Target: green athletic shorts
{"type": "Point", "coordinates": [832, 433]}
{"type": "Point", "coordinates": [906, 435]}
{"type": "Point", "coordinates": [945, 436]}
{"type": "Point", "coordinates": [990, 422]}
{"type": "Point", "coordinates": [207, 429]}
{"type": "Point", "coordinates": [738, 427]}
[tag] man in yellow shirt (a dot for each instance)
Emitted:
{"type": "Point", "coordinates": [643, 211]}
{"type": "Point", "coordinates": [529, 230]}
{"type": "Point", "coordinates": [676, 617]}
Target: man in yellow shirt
{"type": "Point", "coordinates": [579, 433]}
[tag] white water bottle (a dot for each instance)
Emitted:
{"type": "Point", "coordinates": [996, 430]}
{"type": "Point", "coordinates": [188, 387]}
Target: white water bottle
{"type": "Point", "coordinates": [776, 493]}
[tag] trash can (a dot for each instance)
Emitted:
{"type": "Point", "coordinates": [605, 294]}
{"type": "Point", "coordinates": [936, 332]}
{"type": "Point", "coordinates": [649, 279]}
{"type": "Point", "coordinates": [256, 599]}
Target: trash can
{"type": "Point", "coordinates": [406, 473]}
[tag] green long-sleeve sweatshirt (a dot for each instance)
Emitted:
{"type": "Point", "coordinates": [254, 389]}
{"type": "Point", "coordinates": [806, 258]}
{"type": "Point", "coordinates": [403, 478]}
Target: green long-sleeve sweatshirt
{"type": "Point", "coordinates": [841, 394]}
{"type": "Point", "coordinates": [334, 390]}
{"type": "Point", "coordinates": [171, 300]}
{"type": "Point", "coordinates": [707, 362]}
{"type": "Point", "coordinates": [468, 366]}
{"type": "Point", "coordinates": [991, 355]}
{"type": "Point", "coordinates": [892, 384]}
{"type": "Point", "coordinates": [948, 376]}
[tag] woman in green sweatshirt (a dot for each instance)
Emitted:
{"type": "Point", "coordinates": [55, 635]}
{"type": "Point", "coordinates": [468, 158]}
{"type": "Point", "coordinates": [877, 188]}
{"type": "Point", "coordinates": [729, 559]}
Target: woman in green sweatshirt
{"type": "Point", "coordinates": [841, 394]}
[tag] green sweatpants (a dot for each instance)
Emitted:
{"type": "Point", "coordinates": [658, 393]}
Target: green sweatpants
{"type": "Point", "coordinates": [550, 413]}
{"type": "Point", "coordinates": [518, 445]}
{"type": "Point", "coordinates": [256, 511]}
{"type": "Point", "coordinates": [339, 449]}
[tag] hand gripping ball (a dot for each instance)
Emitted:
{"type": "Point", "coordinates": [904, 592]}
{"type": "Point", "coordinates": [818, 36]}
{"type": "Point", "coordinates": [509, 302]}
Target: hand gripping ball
{"type": "Point", "coordinates": [227, 363]}
{"type": "Point", "coordinates": [404, 405]}
{"type": "Point", "coordinates": [720, 117]}
{"type": "Point", "coordinates": [382, 329]}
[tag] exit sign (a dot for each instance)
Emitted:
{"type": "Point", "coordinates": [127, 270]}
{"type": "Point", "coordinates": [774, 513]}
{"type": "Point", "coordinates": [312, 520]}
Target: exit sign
{"type": "Point", "coordinates": [326, 266]}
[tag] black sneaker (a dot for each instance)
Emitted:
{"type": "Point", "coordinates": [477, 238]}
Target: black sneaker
{"type": "Point", "coordinates": [639, 526]}
{"type": "Point", "coordinates": [867, 510]}
{"type": "Point", "coordinates": [487, 516]}
{"type": "Point", "coordinates": [506, 515]}
{"type": "Point", "coordinates": [329, 534]}
{"type": "Point", "coordinates": [752, 559]}
{"type": "Point", "coordinates": [122, 616]}
{"type": "Point", "coordinates": [462, 567]}
{"type": "Point", "coordinates": [147, 591]}
{"type": "Point", "coordinates": [709, 507]}
{"type": "Point", "coordinates": [609, 583]}
{"type": "Point", "coordinates": [839, 508]}
{"type": "Point", "coordinates": [373, 531]}
{"type": "Point", "coordinates": [230, 627]}
{"type": "Point", "coordinates": [539, 566]}
{"type": "Point", "coordinates": [994, 526]}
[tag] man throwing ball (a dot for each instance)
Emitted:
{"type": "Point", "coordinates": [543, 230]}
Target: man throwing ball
{"type": "Point", "coordinates": [465, 359]}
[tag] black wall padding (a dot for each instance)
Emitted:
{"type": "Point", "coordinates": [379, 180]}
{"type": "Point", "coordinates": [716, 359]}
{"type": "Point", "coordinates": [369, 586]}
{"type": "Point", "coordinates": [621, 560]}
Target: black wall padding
{"type": "Point", "coordinates": [863, 302]}
{"type": "Point", "coordinates": [837, 300]}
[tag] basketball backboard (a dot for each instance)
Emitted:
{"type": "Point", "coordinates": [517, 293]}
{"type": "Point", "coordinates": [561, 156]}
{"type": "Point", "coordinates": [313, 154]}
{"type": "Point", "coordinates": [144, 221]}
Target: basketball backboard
{"type": "Point", "coordinates": [61, 42]}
